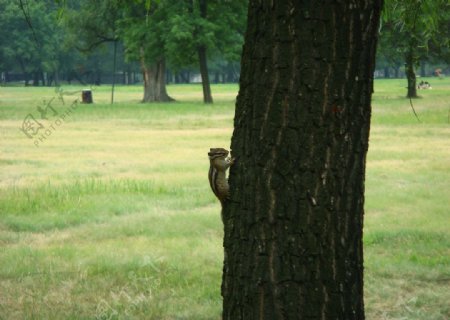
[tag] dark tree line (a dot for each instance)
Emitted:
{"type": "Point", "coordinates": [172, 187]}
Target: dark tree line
{"type": "Point", "coordinates": [156, 42]}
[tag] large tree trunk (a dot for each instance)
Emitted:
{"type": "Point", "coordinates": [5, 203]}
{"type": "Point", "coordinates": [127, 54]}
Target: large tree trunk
{"type": "Point", "coordinates": [155, 81]}
{"type": "Point", "coordinates": [293, 224]}
{"type": "Point", "coordinates": [410, 74]}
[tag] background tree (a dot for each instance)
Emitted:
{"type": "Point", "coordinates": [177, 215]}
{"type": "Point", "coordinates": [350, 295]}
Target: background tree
{"type": "Point", "coordinates": [389, 55]}
{"type": "Point", "coordinates": [417, 22]}
{"type": "Point", "coordinates": [202, 29]}
{"type": "Point", "coordinates": [439, 46]}
{"type": "Point", "coordinates": [32, 39]}
{"type": "Point", "coordinates": [96, 30]}
{"type": "Point", "coordinates": [139, 25]}
{"type": "Point", "coordinates": [202, 47]}
{"type": "Point", "coordinates": [293, 225]}
{"type": "Point", "coordinates": [143, 30]}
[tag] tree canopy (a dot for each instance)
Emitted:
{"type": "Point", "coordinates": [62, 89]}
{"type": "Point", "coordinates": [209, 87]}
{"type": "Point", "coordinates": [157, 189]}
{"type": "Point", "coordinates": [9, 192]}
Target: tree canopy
{"type": "Point", "coordinates": [32, 39]}
{"type": "Point", "coordinates": [45, 41]}
{"type": "Point", "coordinates": [410, 30]}
{"type": "Point", "coordinates": [167, 32]}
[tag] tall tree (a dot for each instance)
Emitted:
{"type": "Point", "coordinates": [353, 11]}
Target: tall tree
{"type": "Point", "coordinates": [417, 22]}
{"type": "Point", "coordinates": [293, 223]}
{"type": "Point", "coordinates": [139, 23]}
{"type": "Point", "coordinates": [201, 29]}
{"type": "Point", "coordinates": [143, 30]}
{"type": "Point", "coordinates": [202, 56]}
{"type": "Point", "coordinates": [31, 39]}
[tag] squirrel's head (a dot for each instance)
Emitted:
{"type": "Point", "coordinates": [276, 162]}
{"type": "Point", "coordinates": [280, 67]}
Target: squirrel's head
{"type": "Point", "coordinates": [215, 153]}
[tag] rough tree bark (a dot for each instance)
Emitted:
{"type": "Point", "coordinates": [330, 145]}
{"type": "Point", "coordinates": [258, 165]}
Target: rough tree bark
{"type": "Point", "coordinates": [293, 224]}
{"type": "Point", "coordinates": [155, 81]}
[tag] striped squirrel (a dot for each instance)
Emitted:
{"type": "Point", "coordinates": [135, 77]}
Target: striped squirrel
{"type": "Point", "coordinates": [219, 163]}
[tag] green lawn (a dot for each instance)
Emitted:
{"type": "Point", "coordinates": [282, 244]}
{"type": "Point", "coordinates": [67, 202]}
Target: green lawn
{"type": "Point", "coordinates": [110, 216]}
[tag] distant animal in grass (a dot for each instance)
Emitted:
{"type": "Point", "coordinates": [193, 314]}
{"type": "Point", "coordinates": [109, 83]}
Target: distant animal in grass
{"type": "Point", "coordinates": [424, 85]}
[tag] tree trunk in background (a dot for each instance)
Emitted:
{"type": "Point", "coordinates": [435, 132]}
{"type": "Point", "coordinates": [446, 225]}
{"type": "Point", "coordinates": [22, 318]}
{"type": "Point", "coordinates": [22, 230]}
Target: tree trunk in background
{"type": "Point", "coordinates": [56, 78]}
{"type": "Point", "coordinates": [423, 72]}
{"type": "Point", "coordinates": [217, 77]}
{"type": "Point", "coordinates": [293, 224]}
{"type": "Point", "coordinates": [114, 71]}
{"type": "Point", "coordinates": [42, 76]}
{"type": "Point", "coordinates": [169, 77]}
{"type": "Point", "coordinates": [410, 75]}
{"type": "Point", "coordinates": [187, 76]}
{"type": "Point", "coordinates": [387, 73]}
{"type": "Point", "coordinates": [202, 57]}
{"type": "Point", "coordinates": [232, 75]}
{"type": "Point", "coordinates": [35, 79]}
{"type": "Point", "coordinates": [155, 81]}
{"type": "Point", "coordinates": [207, 97]}
{"type": "Point", "coordinates": [397, 72]}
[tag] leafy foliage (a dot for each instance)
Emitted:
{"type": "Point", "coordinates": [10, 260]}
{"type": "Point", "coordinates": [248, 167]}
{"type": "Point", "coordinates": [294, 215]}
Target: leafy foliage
{"type": "Point", "coordinates": [414, 23]}
{"type": "Point", "coordinates": [411, 25]}
{"type": "Point", "coordinates": [169, 28]}
{"type": "Point", "coordinates": [31, 37]}
{"type": "Point", "coordinates": [142, 30]}
{"type": "Point", "coordinates": [96, 29]}
{"type": "Point", "coordinates": [221, 31]}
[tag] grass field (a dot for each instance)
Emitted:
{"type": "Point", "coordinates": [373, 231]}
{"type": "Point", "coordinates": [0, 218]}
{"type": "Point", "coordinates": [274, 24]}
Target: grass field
{"type": "Point", "coordinates": [110, 216]}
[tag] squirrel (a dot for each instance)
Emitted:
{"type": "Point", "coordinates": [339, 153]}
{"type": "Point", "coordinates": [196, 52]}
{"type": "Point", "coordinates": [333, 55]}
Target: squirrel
{"type": "Point", "coordinates": [219, 164]}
